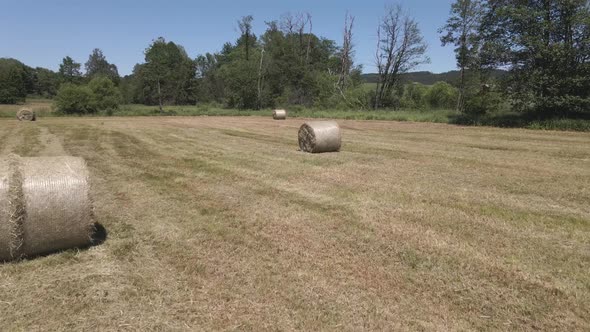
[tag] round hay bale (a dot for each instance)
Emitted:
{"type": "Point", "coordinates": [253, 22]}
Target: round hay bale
{"type": "Point", "coordinates": [320, 136]}
{"type": "Point", "coordinates": [58, 208]}
{"type": "Point", "coordinates": [26, 115]}
{"type": "Point", "coordinates": [279, 114]}
{"type": "Point", "coordinates": [53, 194]}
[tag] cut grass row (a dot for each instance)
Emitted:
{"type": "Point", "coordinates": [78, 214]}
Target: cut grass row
{"type": "Point", "coordinates": [217, 224]}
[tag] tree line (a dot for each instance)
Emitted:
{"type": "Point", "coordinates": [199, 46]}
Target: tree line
{"type": "Point", "coordinates": [74, 92]}
{"type": "Point", "coordinates": [542, 45]}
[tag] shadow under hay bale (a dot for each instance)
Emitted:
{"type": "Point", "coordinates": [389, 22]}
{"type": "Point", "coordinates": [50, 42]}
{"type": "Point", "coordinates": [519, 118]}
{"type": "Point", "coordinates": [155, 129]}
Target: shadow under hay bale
{"type": "Point", "coordinates": [26, 115]}
{"type": "Point", "coordinates": [320, 136]}
{"type": "Point", "coordinates": [279, 114]}
{"type": "Point", "coordinates": [98, 236]}
{"type": "Point", "coordinates": [46, 207]}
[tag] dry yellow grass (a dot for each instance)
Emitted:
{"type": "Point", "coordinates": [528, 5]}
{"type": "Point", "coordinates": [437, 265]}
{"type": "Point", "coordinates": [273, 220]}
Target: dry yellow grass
{"type": "Point", "coordinates": [221, 224]}
{"type": "Point", "coordinates": [39, 106]}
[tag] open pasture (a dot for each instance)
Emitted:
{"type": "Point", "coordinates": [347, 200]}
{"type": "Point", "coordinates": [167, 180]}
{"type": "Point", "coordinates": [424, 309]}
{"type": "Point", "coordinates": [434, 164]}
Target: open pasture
{"type": "Point", "coordinates": [220, 223]}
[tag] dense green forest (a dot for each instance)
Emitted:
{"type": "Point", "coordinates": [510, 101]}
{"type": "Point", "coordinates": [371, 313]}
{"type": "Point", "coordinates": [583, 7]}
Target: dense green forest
{"type": "Point", "coordinates": [529, 58]}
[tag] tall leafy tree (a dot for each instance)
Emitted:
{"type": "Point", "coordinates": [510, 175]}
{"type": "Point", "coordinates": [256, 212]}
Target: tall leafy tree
{"type": "Point", "coordinates": [13, 81]}
{"type": "Point", "coordinates": [545, 44]}
{"type": "Point", "coordinates": [240, 77]}
{"type": "Point", "coordinates": [286, 65]}
{"type": "Point", "coordinates": [462, 31]}
{"type": "Point", "coordinates": [69, 71]}
{"type": "Point", "coordinates": [74, 99]}
{"type": "Point", "coordinates": [209, 85]}
{"type": "Point", "coordinates": [46, 82]}
{"type": "Point", "coordinates": [97, 65]}
{"type": "Point", "coordinates": [240, 72]}
{"type": "Point", "coordinates": [243, 75]}
{"type": "Point", "coordinates": [168, 72]}
{"type": "Point", "coordinates": [105, 95]}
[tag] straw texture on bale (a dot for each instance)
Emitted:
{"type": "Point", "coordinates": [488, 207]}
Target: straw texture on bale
{"type": "Point", "coordinates": [53, 195]}
{"type": "Point", "coordinates": [320, 136]}
{"type": "Point", "coordinates": [5, 230]}
{"type": "Point", "coordinates": [26, 115]}
{"type": "Point", "coordinates": [11, 212]}
{"type": "Point", "coordinates": [279, 114]}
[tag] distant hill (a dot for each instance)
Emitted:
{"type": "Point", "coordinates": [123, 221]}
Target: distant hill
{"type": "Point", "coordinates": [428, 78]}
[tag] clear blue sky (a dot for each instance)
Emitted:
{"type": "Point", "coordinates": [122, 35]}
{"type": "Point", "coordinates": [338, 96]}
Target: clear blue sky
{"type": "Point", "coordinates": [42, 32]}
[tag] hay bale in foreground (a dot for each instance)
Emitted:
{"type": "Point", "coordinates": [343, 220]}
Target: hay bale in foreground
{"type": "Point", "coordinates": [279, 114]}
{"type": "Point", "coordinates": [54, 194]}
{"type": "Point", "coordinates": [58, 208]}
{"type": "Point", "coordinates": [26, 115]}
{"type": "Point", "coordinates": [320, 136]}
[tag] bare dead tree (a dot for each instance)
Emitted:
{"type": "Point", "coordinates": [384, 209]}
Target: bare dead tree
{"type": "Point", "coordinates": [260, 78]}
{"type": "Point", "coordinates": [245, 25]}
{"type": "Point", "coordinates": [301, 24]}
{"type": "Point", "coordinates": [380, 68]}
{"type": "Point", "coordinates": [347, 52]}
{"type": "Point", "coordinates": [309, 21]}
{"type": "Point", "coordinates": [400, 48]}
{"type": "Point", "coordinates": [294, 25]}
{"type": "Point", "coordinates": [346, 63]}
{"type": "Point", "coordinates": [287, 23]}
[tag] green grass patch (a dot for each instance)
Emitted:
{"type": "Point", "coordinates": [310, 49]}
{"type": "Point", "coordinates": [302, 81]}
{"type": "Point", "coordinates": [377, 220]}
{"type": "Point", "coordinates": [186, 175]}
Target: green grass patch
{"type": "Point", "coordinates": [42, 107]}
{"type": "Point", "coordinates": [7, 114]}
{"type": "Point", "coordinates": [561, 124]}
{"type": "Point", "coordinates": [500, 119]}
{"type": "Point", "coordinates": [187, 110]}
{"type": "Point", "coordinates": [522, 120]}
{"type": "Point", "coordinates": [438, 116]}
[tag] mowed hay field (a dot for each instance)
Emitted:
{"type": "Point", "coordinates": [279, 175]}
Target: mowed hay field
{"type": "Point", "coordinates": [221, 224]}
